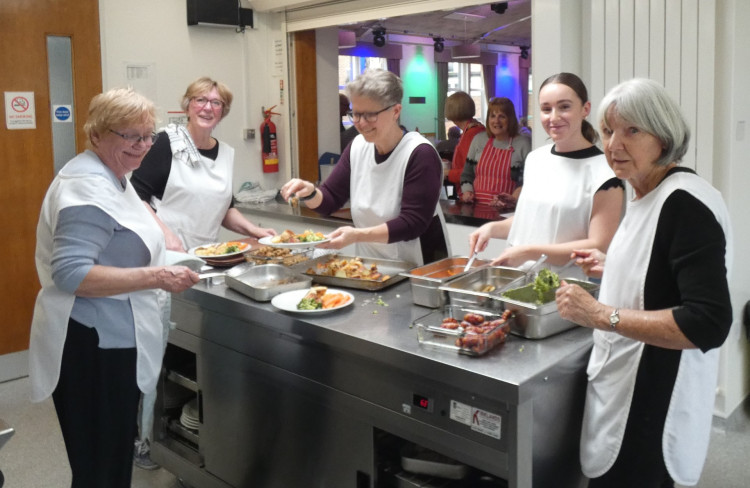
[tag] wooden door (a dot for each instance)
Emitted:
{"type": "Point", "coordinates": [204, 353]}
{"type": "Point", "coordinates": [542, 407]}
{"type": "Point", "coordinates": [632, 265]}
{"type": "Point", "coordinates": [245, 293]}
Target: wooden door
{"type": "Point", "coordinates": [27, 160]}
{"type": "Point", "coordinates": [305, 69]}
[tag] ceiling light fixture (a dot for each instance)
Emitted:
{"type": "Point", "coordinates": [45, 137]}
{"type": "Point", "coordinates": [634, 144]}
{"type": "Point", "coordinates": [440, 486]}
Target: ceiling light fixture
{"type": "Point", "coordinates": [378, 36]}
{"type": "Point", "coordinates": [439, 44]}
{"type": "Point", "coordinates": [524, 52]}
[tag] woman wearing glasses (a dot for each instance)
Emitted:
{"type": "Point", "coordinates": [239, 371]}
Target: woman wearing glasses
{"type": "Point", "coordinates": [393, 179]}
{"type": "Point", "coordinates": [96, 335]}
{"type": "Point", "coordinates": [186, 178]}
{"type": "Point", "coordinates": [185, 182]}
{"type": "Point", "coordinates": [494, 163]}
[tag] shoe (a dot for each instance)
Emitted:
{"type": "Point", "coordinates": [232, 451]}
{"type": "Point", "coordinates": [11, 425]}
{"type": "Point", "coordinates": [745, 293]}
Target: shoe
{"type": "Point", "coordinates": [142, 456]}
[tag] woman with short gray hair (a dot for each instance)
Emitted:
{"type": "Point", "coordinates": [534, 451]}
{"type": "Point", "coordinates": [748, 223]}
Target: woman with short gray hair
{"type": "Point", "coordinates": [663, 308]}
{"type": "Point", "coordinates": [392, 178]}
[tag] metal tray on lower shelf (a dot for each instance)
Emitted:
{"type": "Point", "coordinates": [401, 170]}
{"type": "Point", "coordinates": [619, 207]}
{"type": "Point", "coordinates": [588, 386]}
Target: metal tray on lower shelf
{"type": "Point", "coordinates": [387, 267]}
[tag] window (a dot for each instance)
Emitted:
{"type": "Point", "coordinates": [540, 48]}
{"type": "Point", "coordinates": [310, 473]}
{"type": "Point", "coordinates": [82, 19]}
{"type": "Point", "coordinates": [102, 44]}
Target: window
{"type": "Point", "coordinates": [467, 77]}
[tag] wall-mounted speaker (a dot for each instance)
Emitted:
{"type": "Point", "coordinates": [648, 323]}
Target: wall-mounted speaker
{"type": "Point", "coordinates": [224, 13]}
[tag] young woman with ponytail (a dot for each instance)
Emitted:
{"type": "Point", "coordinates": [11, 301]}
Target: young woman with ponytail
{"type": "Point", "coordinates": [571, 198]}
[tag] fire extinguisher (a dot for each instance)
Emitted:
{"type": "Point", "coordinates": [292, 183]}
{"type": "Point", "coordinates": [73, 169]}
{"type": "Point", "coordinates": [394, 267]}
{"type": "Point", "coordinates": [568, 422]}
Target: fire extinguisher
{"type": "Point", "coordinates": [268, 140]}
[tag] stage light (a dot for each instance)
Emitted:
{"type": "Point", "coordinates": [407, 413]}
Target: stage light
{"type": "Point", "coordinates": [499, 7]}
{"type": "Point", "coordinates": [439, 44]}
{"type": "Point", "coordinates": [524, 52]}
{"type": "Point", "coordinates": [378, 36]}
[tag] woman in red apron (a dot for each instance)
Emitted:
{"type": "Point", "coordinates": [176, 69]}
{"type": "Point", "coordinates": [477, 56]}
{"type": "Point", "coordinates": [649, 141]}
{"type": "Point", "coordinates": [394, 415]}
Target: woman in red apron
{"type": "Point", "coordinates": [494, 163]}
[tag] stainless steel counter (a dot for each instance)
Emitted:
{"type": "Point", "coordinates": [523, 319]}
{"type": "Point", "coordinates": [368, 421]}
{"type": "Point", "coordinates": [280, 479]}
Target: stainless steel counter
{"type": "Point", "coordinates": [360, 370]}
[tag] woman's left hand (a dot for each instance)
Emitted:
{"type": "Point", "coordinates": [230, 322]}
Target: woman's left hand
{"type": "Point", "coordinates": [513, 256]}
{"type": "Point", "coordinates": [340, 238]}
{"type": "Point", "coordinates": [261, 233]}
{"type": "Point", "coordinates": [577, 305]}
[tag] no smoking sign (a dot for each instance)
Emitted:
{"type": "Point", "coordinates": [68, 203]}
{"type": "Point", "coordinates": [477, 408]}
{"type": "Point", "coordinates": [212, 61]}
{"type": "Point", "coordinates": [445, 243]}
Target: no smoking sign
{"type": "Point", "coordinates": [19, 110]}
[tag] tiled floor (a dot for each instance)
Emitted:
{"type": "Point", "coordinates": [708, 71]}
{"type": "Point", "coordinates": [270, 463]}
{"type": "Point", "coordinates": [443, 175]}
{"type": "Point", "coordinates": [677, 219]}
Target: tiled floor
{"type": "Point", "coordinates": [35, 456]}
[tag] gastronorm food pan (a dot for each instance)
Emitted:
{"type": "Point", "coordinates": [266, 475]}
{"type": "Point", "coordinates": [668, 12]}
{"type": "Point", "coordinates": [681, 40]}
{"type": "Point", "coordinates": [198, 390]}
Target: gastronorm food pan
{"type": "Point", "coordinates": [536, 321]}
{"type": "Point", "coordinates": [432, 331]}
{"type": "Point", "coordinates": [277, 255]}
{"type": "Point", "coordinates": [387, 267]}
{"type": "Point", "coordinates": [426, 280]}
{"type": "Point", "coordinates": [475, 288]}
{"type": "Point", "coordinates": [265, 281]}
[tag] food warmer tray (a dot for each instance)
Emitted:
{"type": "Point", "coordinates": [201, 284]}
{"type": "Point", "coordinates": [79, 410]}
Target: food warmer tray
{"type": "Point", "coordinates": [470, 289]}
{"type": "Point", "coordinates": [390, 267]}
{"type": "Point", "coordinates": [431, 334]}
{"type": "Point", "coordinates": [535, 321]}
{"type": "Point", "coordinates": [265, 281]}
{"type": "Point", "coordinates": [426, 280]}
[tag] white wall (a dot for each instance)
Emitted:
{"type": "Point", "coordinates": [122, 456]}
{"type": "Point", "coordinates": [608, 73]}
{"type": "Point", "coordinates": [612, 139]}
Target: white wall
{"type": "Point", "coordinates": [156, 35]}
{"type": "Point", "coordinates": [327, 52]}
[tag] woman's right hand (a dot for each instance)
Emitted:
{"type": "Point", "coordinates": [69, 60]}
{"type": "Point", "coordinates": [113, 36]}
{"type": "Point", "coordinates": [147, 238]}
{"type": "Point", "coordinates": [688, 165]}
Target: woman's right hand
{"type": "Point", "coordinates": [479, 239]}
{"type": "Point", "coordinates": [173, 242]}
{"type": "Point", "coordinates": [176, 279]}
{"type": "Point", "coordinates": [298, 187]}
{"type": "Point", "coordinates": [467, 196]}
{"type": "Point", "coordinates": [591, 261]}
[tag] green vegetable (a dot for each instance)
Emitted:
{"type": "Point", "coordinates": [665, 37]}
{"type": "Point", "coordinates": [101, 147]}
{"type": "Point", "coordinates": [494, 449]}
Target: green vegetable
{"type": "Point", "coordinates": [542, 290]}
{"type": "Point", "coordinates": [231, 249]}
{"type": "Point", "coordinates": [309, 304]}
{"type": "Point", "coordinates": [545, 281]}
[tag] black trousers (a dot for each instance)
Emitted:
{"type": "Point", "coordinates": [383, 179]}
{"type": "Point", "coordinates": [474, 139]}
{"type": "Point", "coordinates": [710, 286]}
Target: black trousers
{"type": "Point", "coordinates": [96, 400]}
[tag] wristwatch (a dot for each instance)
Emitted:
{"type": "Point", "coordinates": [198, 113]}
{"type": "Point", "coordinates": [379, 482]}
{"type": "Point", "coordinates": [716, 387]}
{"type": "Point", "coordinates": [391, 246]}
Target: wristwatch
{"type": "Point", "coordinates": [310, 196]}
{"type": "Point", "coordinates": [614, 319]}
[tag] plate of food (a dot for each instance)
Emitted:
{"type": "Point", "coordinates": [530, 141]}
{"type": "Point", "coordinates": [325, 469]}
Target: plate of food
{"type": "Point", "coordinates": [318, 299]}
{"type": "Point", "coordinates": [220, 250]}
{"type": "Point", "coordinates": [289, 239]}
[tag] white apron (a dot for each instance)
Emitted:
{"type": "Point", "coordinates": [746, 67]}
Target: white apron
{"type": "Point", "coordinates": [376, 191]}
{"type": "Point", "coordinates": [557, 200]}
{"type": "Point", "coordinates": [197, 196]}
{"type": "Point", "coordinates": [614, 359]}
{"type": "Point", "coordinates": [84, 181]}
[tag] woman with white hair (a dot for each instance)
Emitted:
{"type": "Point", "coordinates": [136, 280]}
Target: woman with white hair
{"type": "Point", "coordinates": [393, 179]}
{"type": "Point", "coordinates": [664, 306]}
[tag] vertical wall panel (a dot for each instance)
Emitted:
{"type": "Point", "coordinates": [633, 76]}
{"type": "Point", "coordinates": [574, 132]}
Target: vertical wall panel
{"type": "Point", "coordinates": [611, 43]}
{"type": "Point", "coordinates": [670, 41]}
{"type": "Point", "coordinates": [656, 40]}
{"type": "Point", "coordinates": [641, 39]}
{"type": "Point", "coordinates": [672, 47]}
{"type": "Point", "coordinates": [704, 124]}
{"type": "Point", "coordinates": [626, 40]}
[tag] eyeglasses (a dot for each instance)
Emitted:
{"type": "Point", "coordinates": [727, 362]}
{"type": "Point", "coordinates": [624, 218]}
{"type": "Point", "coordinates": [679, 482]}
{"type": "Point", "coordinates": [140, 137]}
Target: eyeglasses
{"type": "Point", "coordinates": [202, 101]}
{"type": "Point", "coordinates": [134, 139]}
{"type": "Point", "coordinates": [368, 116]}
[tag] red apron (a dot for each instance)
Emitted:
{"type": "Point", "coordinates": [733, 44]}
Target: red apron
{"type": "Point", "coordinates": [492, 175]}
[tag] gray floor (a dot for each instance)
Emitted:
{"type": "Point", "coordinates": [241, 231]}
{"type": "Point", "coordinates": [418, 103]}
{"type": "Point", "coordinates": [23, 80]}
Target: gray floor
{"type": "Point", "coordinates": [35, 456]}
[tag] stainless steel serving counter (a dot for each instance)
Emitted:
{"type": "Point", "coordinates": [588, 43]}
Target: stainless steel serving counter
{"type": "Point", "coordinates": [333, 393]}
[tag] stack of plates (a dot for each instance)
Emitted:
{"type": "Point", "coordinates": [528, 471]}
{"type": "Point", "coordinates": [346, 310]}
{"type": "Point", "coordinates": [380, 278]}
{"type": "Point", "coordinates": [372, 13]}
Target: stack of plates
{"type": "Point", "coordinates": [189, 417]}
{"type": "Point", "coordinates": [175, 395]}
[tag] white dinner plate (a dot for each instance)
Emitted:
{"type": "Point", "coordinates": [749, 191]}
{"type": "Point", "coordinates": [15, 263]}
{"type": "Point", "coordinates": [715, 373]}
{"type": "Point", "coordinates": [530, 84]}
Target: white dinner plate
{"type": "Point", "coordinates": [266, 241]}
{"type": "Point", "coordinates": [219, 256]}
{"type": "Point", "coordinates": [288, 301]}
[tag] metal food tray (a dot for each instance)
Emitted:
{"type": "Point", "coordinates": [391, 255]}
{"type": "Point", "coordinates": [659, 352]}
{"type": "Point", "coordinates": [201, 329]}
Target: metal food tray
{"type": "Point", "coordinates": [535, 321]}
{"type": "Point", "coordinates": [467, 289]}
{"type": "Point", "coordinates": [431, 334]}
{"type": "Point", "coordinates": [390, 267]}
{"type": "Point", "coordinates": [426, 280]}
{"type": "Point", "coordinates": [264, 281]}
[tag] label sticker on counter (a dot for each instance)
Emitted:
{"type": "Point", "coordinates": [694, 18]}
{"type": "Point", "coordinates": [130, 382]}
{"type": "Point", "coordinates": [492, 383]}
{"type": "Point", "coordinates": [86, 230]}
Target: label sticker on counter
{"type": "Point", "coordinates": [481, 421]}
{"type": "Point", "coordinates": [460, 412]}
{"type": "Point", "coordinates": [486, 423]}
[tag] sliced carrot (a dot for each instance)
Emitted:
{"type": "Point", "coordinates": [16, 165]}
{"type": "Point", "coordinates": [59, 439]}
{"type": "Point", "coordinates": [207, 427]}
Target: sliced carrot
{"type": "Point", "coordinates": [331, 300]}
